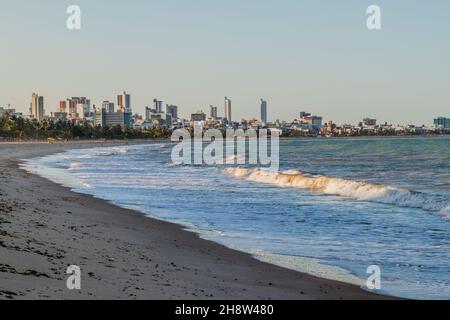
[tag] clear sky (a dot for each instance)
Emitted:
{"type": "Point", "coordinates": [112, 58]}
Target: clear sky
{"type": "Point", "coordinates": [313, 55]}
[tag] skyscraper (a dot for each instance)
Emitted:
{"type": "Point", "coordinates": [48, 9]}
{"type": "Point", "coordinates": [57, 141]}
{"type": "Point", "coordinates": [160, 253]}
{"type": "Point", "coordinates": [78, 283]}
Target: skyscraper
{"type": "Point", "coordinates": [124, 102]}
{"type": "Point", "coordinates": [63, 106]}
{"type": "Point", "coordinates": [213, 112]}
{"type": "Point", "coordinates": [74, 101]}
{"type": "Point", "coordinates": [263, 111]}
{"type": "Point", "coordinates": [442, 122]}
{"type": "Point", "coordinates": [81, 110]}
{"type": "Point", "coordinates": [148, 113]}
{"type": "Point", "coordinates": [108, 106]}
{"type": "Point", "coordinates": [172, 111]}
{"type": "Point", "coordinates": [228, 115]}
{"type": "Point", "coordinates": [37, 107]}
{"type": "Point", "coordinates": [157, 105]}
{"type": "Point", "coordinates": [72, 105]}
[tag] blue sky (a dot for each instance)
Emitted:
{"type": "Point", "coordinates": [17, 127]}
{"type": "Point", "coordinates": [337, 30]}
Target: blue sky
{"type": "Point", "coordinates": [316, 56]}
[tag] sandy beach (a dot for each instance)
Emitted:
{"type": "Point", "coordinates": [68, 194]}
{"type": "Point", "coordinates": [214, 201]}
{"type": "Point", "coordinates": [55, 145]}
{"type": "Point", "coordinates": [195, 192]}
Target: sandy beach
{"type": "Point", "coordinates": [123, 254]}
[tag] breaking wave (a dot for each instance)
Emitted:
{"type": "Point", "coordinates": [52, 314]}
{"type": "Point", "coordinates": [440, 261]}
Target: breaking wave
{"type": "Point", "coordinates": [346, 188]}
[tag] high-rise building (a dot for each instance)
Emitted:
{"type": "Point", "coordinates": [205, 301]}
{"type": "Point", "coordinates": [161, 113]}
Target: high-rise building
{"type": "Point", "coordinates": [228, 114]}
{"type": "Point", "coordinates": [111, 119]}
{"type": "Point", "coordinates": [82, 107]}
{"type": "Point", "coordinates": [72, 105]}
{"type": "Point", "coordinates": [442, 122]}
{"type": "Point", "coordinates": [37, 107]}
{"type": "Point", "coordinates": [263, 111]}
{"type": "Point", "coordinates": [74, 101]}
{"type": "Point", "coordinates": [108, 106]}
{"type": "Point", "coordinates": [169, 119]}
{"type": "Point", "coordinates": [148, 113]}
{"type": "Point", "coordinates": [124, 102]}
{"type": "Point", "coordinates": [213, 112]}
{"type": "Point", "coordinates": [63, 106]}
{"type": "Point", "coordinates": [172, 111]}
{"type": "Point", "coordinates": [120, 102]}
{"type": "Point", "coordinates": [81, 111]}
{"type": "Point", "coordinates": [157, 105]}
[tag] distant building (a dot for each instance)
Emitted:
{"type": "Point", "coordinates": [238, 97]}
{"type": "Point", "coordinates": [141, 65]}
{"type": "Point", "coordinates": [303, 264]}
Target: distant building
{"type": "Point", "coordinates": [442, 122]}
{"type": "Point", "coordinates": [263, 111]}
{"type": "Point", "coordinates": [213, 112]}
{"type": "Point", "coordinates": [148, 113]}
{"type": "Point", "coordinates": [63, 106]}
{"type": "Point", "coordinates": [74, 101]}
{"type": "Point", "coordinates": [10, 111]}
{"type": "Point", "coordinates": [81, 111]}
{"type": "Point", "coordinates": [72, 105]}
{"type": "Point", "coordinates": [157, 105]}
{"type": "Point", "coordinates": [169, 120]}
{"type": "Point", "coordinates": [172, 111]}
{"type": "Point", "coordinates": [124, 102]}
{"type": "Point", "coordinates": [157, 118]}
{"type": "Point", "coordinates": [304, 114]}
{"type": "Point", "coordinates": [37, 107]}
{"type": "Point", "coordinates": [108, 106]}
{"type": "Point", "coordinates": [112, 119]}
{"type": "Point", "coordinates": [330, 127]}
{"type": "Point", "coordinates": [59, 115]}
{"type": "Point", "coordinates": [307, 118]}
{"type": "Point", "coordinates": [199, 116]}
{"type": "Point", "coordinates": [368, 122]}
{"type": "Point", "coordinates": [228, 115]}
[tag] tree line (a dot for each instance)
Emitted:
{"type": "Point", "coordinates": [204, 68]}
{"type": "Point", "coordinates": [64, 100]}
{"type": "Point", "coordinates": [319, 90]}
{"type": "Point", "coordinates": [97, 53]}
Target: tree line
{"type": "Point", "coordinates": [17, 128]}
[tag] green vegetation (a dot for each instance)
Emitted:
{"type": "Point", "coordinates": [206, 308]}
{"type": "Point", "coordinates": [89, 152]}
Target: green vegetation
{"type": "Point", "coordinates": [17, 128]}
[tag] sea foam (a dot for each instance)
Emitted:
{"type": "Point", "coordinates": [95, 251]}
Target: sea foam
{"type": "Point", "coordinates": [342, 187]}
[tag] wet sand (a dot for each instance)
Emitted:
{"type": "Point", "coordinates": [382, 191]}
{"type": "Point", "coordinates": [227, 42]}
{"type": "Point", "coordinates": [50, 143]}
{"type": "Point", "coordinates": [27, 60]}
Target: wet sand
{"type": "Point", "coordinates": [123, 254]}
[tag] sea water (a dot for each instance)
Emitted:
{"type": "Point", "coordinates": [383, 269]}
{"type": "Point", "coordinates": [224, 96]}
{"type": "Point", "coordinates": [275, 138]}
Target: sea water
{"type": "Point", "coordinates": [335, 208]}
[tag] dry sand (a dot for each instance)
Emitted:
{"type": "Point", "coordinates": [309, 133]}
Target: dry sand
{"type": "Point", "coordinates": [45, 227]}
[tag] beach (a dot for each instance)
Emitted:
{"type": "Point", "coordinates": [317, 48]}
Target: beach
{"type": "Point", "coordinates": [44, 228]}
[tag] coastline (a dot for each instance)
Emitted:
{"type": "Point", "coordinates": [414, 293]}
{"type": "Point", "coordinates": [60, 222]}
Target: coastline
{"type": "Point", "coordinates": [400, 137]}
{"type": "Point", "coordinates": [45, 227]}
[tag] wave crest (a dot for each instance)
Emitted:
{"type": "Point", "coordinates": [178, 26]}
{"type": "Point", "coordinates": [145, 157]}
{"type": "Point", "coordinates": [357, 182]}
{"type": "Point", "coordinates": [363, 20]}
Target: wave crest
{"type": "Point", "coordinates": [342, 187]}
{"type": "Point", "coordinates": [446, 211]}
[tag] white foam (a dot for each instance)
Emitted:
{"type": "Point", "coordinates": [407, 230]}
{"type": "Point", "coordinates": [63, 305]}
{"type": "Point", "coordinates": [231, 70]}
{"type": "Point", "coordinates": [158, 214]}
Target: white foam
{"type": "Point", "coordinates": [341, 187]}
{"type": "Point", "coordinates": [446, 211]}
{"type": "Point", "coordinates": [121, 149]}
{"type": "Point", "coordinates": [75, 165]}
{"type": "Point", "coordinates": [235, 159]}
{"type": "Point", "coordinates": [310, 266]}
{"type": "Point", "coordinates": [57, 175]}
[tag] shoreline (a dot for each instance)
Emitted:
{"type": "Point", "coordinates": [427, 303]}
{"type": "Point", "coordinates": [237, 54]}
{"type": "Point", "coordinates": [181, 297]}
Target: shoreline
{"type": "Point", "coordinates": [124, 254]}
{"type": "Point", "coordinates": [137, 141]}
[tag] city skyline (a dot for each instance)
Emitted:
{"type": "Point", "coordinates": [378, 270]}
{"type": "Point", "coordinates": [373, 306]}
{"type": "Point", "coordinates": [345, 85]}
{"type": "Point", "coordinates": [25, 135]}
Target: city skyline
{"type": "Point", "coordinates": [298, 56]}
{"type": "Point", "coordinates": [37, 109]}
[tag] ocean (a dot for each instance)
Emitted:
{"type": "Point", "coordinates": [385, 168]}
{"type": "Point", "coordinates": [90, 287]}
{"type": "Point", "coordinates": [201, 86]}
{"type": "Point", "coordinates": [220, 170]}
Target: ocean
{"type": "Point", "coordinates": [336, 207]}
